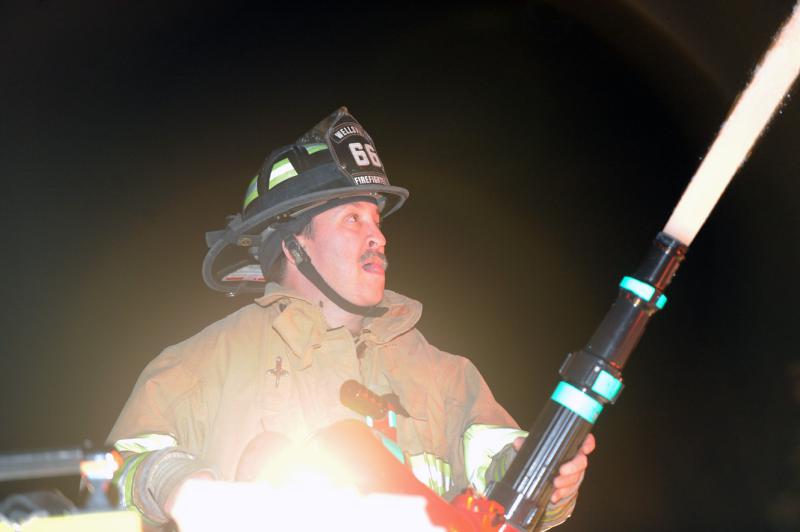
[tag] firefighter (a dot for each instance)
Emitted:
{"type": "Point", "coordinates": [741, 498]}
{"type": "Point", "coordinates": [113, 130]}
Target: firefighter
{"type": "Point", "coordinates": [309, 242]}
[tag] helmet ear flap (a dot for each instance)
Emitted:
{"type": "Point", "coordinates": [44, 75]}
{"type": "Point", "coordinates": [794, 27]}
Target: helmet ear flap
{"type": "Point", "coordinates": [270, 247]}
{"type": "Point", "coordinates": [267, 251]}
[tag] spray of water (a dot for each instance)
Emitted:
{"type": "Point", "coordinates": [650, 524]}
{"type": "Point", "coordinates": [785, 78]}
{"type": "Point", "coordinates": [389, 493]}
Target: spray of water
{"type": "Point", "coordinates": [771, 82]}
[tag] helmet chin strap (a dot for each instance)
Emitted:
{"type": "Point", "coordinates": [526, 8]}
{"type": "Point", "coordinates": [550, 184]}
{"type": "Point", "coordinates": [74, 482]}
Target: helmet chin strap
{"type": "Point", "coordinates": [303, 263]}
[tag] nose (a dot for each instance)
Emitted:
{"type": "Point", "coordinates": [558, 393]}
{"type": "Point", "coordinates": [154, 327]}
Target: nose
{"type": "Point", "coordinates": [376, 237]}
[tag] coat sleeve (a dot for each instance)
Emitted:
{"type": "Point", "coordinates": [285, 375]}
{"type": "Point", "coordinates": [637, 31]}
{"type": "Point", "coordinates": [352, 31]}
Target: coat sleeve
{"type": "Point", "coordinates": [478, 427]}
{"type": "Point", "coordinates": [160, 435]}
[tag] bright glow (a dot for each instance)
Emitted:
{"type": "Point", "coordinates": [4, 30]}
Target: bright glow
{"type": "Point", "coordinates": [204, 505]}
{"type": "Point", "coordinates": [757, 103]}
{"type": "Point", "coordinates": [307, 468]}
{"type": "Point", "coordinates": [299, 488]}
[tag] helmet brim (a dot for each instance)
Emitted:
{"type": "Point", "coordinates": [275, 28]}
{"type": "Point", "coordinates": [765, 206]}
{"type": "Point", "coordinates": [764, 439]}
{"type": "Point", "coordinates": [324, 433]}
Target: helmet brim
{"type": "Point", "coordinates": [241, 234]}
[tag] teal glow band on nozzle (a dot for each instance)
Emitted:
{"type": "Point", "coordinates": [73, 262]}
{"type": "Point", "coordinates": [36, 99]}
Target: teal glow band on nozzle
{"type": "Point", "coordinates": [606, 385]}
{"type": "Point", "coordinates": [572, 398]}
{"type": "Point", "coordinates": [642, 290]}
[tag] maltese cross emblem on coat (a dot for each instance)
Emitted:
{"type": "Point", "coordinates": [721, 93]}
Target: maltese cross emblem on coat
{"type": "Point", "coordinates": [278, 371]}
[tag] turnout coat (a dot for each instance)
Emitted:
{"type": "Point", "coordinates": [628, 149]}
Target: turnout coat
{"type": "Point", "coordinates": [274, 365]}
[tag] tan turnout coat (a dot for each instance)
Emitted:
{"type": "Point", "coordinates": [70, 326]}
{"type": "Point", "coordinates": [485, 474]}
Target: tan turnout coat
{"type": "Point", "coordinates": [217, 390]}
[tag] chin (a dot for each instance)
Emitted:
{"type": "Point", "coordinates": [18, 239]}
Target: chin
{"type": "Point", "coordinates": [372, 301]}
{"type": "Point", "coordinates": [370, 298]}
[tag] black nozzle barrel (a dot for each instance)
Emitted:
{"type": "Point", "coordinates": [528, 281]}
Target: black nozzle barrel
{"type": "Point", "coordinates": [592, 378]}
{"type": "Point", "coordinates": [623, 325]}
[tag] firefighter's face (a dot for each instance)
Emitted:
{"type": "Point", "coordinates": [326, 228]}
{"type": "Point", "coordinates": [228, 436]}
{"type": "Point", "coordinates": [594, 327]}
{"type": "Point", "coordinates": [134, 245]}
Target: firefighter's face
{"type": "Point", "coordinates": [347, 247]}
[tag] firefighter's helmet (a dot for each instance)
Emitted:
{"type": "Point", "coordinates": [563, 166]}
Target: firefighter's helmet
{"type": "Point", "coordinates": [334, 163]}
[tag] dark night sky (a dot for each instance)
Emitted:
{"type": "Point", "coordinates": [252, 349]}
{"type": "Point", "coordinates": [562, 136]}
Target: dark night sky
{"type": "Point", "coordinates": [544, 145]}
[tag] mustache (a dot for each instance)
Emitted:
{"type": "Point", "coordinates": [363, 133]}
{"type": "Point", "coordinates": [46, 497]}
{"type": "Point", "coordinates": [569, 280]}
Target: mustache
{"type": "Point", "coordinates": [369, 254]}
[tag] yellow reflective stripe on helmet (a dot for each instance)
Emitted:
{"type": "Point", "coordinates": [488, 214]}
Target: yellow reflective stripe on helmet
{"type": "Point", "coordinates": [481, 443]}
{"type": "Point", "coordinates": [314, 148]}
{"type": "Point", "coordinates": [281, 171]}
{"type": "Point", "coordinates": [432, 471]}
{"type": "Point", "coordinates": [252, 192]}
{"type": "Point", "coordinates": [145, 443]}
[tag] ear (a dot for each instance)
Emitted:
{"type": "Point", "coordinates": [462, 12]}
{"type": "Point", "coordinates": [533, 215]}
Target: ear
{"type": "Point", "coordinates": [287, 253]}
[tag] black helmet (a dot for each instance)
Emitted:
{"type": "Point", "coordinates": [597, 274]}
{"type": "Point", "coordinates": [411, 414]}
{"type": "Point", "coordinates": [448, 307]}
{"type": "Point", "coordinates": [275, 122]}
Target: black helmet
{"type": "Point", "coordinates": [334, 163]}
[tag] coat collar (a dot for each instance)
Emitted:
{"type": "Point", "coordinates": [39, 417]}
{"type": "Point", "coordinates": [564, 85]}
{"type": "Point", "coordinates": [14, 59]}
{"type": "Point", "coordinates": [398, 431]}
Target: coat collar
{"type": "Point", "coordinates": [302, 325]}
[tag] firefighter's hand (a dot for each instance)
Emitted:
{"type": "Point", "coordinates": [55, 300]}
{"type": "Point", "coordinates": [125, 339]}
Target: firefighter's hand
{"type": "Point", "coordinates": [570, 474]}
